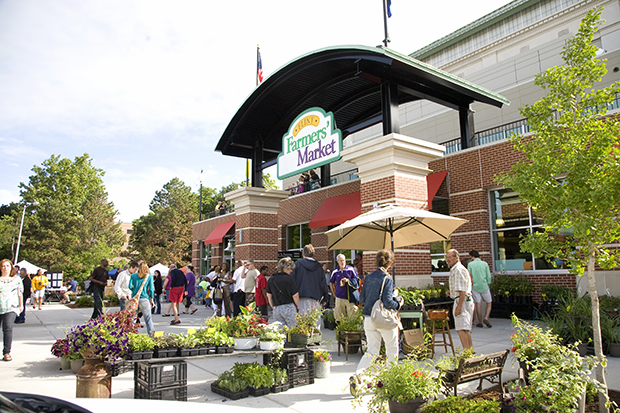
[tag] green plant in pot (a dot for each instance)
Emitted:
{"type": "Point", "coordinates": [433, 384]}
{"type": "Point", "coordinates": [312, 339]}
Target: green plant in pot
{"type": "Point", "coordinates": [140, 342]}
{"type": "Point", "coordinates": [461, 404]}
{"type": "Point", "coordinates": [394, 384]}
{"type": "Point", "coordinates": [305, 330]}
{"type": "Point", "coordinates": [329, 320]}
{"type": "Point", "coordinates": [271, 337]}
{"type": "Point", "coordinates": [353, 326]}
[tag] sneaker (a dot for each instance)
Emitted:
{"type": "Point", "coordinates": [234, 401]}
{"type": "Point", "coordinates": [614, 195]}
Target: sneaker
{"type": "Point", "coordinates": [486, 322]}
{"type": "Point", "coordinates": [354, 381]}
{"type": "Point", "coordinates": [479, 325]}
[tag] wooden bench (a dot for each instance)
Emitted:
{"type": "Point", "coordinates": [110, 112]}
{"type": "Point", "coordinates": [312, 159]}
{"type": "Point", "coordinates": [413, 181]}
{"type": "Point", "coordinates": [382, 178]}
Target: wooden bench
{"type": "Point", "coordinates": [486, 367]}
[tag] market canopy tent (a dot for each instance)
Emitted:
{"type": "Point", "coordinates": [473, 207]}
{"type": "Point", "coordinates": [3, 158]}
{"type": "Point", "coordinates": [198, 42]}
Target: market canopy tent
{"type": "Point", "coordinates": [161, 267]}
{"type": "Point", "coordinates": [31, 268]}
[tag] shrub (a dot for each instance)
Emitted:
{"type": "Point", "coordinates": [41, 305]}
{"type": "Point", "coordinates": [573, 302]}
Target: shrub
{"type": "Point", "coordinates": [85, 301]}
{"type": "Point", "coordinates": [458, 404]}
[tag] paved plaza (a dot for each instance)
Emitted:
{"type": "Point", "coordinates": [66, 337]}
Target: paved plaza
{"type": "Point", "coordinates": [35, 370]}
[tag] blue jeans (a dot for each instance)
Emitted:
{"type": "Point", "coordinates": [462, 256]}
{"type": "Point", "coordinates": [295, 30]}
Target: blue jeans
{"type": "Point", "coordinates": [7, 321]}
{"type": "Point", "coordinates": [98, 308]}
{"type": "Point", "coordinates": [121, 302]}
{"type": "Point", "coordinates": [144, 305]}
{"type": "Point", "coordinates": [22, 317]}
{"type": "Point", "coordinates": [157, 308]}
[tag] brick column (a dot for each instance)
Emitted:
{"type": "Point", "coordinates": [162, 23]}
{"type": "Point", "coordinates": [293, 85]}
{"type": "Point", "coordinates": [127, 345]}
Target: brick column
{"type": "Point", "coordinates": [393, 169]}
{"type": "Point", "coordinates": [256, 227]}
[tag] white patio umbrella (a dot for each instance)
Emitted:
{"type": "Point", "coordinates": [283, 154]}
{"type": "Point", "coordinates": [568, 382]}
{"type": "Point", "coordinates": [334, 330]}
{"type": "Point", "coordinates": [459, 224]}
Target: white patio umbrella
{"type": "Point", "coordinates": [392, 226]}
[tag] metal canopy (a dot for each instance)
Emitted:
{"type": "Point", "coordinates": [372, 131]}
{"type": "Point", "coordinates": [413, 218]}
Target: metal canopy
{"type": "Point", "coordinates": [361, 85]}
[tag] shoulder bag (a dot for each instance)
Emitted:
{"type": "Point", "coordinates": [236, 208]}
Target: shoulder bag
{"type": "Point", "coordinates": [381, 317]}
{"type": "Point", "coordinates": [353, 294]}
{"type": "Point", "coordinates": [132, 303]}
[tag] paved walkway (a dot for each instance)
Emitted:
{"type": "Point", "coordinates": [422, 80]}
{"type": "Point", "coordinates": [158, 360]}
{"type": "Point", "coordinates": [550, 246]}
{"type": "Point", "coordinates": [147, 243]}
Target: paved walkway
{"type": "Point", "coordinates": [35, 370]}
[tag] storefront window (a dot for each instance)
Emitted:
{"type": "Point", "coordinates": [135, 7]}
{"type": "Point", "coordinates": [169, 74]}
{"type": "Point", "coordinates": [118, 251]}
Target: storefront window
{"type": "Point", "coordinates": [297, 236]}
{"type": "Point", "coordinates": [438, 256]}
{"type": "Point", "coordinates": [511, 220]}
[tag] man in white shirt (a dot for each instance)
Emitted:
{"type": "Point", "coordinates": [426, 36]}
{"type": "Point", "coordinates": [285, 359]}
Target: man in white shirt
{"type": "Point", "coordinates": [238, 295]}
{"type": "Point", "coordinates": [121, 286]}
{"type": "Point", "coordinates": [460, 291]}
{"type": "Point", "coordinates": [250, 282]}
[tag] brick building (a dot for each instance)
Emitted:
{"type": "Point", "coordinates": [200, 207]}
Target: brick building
{"type": "Point", "coordinates": [412, 148]}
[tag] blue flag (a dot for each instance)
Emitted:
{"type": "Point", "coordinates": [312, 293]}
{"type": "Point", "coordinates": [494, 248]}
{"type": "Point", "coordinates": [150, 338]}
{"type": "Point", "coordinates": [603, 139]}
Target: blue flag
{"type": "Point", "coordinates": [389, 8]}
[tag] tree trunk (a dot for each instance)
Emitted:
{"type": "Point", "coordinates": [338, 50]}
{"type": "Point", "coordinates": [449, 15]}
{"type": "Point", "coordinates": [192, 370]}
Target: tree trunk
{"type": "Point", "coordinates": [596, 330]}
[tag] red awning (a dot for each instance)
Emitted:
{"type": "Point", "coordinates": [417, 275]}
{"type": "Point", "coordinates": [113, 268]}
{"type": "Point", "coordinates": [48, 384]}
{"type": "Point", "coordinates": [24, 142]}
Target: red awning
{"type": "Point", "coordinates": [336, 210]}
{"type": "Point", "coordinates": [433, 182]}
{"type": "Point", "coordinates": [217, 235]}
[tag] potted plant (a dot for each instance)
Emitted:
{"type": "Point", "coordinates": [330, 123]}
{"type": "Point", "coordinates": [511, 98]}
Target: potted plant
{"type": "Point", "coordinates": [461, 404]}
{"type": "Point", "coordinates": [187, 345]}
{"type": "Point", "coordinates": [271, 338]}
{"type": "Point", "coordinates": [413, 299]}
{"type": "Point", "coordinates": [280, 380]}
{"type": "Point", "coordinates": [259, 378]}
{"type": "Point", "coordinates": [140, 347]}
{"type": "Point", "coordinates": [350, 330]}
{"type": "Point", "coordinates": [105, 337]}
{"type": "Point", "coordinates": [246, 328]}
{"type": "Point", "coordinates": [60, 349]}
{"type": "Point", "coordinates": [403, 387]}
{"type": "Point", "coordinates": [305, 331]}
{"type": "Point", "coordinates": [329, 320]}
{"type": "Point", "coordinates": [165, 346]}
{"type": "Point", "coordinates": [448, 363]}
{"type": "Point", "coordinates": [231, 387]}
{"type": "Point", "coordinates": [322, 364]}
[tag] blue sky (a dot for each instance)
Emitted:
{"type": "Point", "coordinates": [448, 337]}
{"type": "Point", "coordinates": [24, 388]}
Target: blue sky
{"type": "Point", "coordinates": [147, 87]}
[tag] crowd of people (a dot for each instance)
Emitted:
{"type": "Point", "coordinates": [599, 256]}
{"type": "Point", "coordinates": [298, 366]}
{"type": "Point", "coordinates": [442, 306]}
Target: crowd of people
{"type": "Point", "coordinates": [307, 181]}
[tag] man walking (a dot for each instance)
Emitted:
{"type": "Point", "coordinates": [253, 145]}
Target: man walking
{"type": "Point", "coordinates": [27, 283]}
{"type": "Point", "coordinates": [250, 282]}
{"type": "Point", "coordinates": [99, 279]}
{"type": "Point", "coordinates": [460, 291]}
{"type": "Point", "coordinates": [121, 286]}
{"type": "Point", "coordinates": [238, 295]}
{"type": "Point", "coordinates": [481, 276]}
{"type": "Point", "coordinates": [343, 277]}
{"type": "Point", "coordinates": [310, 280]}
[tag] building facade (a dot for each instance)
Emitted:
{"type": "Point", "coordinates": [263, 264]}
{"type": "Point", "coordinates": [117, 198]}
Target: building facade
{"type": "Point", "coordinates": [426, 165]}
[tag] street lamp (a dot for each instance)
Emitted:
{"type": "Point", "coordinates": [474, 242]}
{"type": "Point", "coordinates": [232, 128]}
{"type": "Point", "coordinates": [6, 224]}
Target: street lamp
{"type": "Point", "coordinates": [21, 227]}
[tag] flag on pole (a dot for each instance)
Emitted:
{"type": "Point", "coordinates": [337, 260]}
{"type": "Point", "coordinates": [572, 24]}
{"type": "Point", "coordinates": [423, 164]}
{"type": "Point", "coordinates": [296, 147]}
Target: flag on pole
{"type": "Point", "coordinates": [389, 8]}
{"type": "Point", "coordinates": [259, 67]}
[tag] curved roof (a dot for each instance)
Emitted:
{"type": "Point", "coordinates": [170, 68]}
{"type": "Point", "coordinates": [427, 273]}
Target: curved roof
{"type": "Point", "coordinates": [345, 80]}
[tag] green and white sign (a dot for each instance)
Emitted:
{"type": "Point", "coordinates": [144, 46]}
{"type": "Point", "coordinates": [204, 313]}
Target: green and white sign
{"type": "Point", "coordinates": [311, 141]}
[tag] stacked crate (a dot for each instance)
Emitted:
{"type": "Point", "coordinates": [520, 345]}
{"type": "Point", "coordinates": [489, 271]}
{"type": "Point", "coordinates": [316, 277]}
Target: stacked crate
{"type": "Point", "coordinates": [299, 365]}
{"type": "Point", "coordinates": [161, 381]}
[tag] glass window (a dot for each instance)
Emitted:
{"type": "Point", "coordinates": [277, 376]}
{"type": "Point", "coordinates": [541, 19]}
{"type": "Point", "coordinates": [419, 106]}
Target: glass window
{"type": "Point", "coordinates": [438, 255]}
{"type": "Point", "coordinates": [297, 236]}
{"type": "Point", "coordinates": [511, 220]}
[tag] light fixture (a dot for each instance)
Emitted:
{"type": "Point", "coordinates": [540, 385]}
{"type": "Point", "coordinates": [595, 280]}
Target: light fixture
{"type": "Point", "coordinates": [499, 222]}
{"type": "Point", "coordinates": [230, 246]}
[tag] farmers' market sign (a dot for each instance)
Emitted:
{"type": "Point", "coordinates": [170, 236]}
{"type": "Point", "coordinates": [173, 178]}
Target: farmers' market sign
{"type": "Point", "coordinates": [311, 141]}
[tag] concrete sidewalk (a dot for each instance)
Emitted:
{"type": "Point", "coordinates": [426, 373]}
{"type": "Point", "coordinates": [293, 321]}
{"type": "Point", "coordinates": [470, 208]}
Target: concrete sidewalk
{"type": "Point", "coordinates": [35, 370]}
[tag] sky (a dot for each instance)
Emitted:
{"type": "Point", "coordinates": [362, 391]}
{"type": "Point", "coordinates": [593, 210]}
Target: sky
{"type": "Point", "coordinates": [146, 88]}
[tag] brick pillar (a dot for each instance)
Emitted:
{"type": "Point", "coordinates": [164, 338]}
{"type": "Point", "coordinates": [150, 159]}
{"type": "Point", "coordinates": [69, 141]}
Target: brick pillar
{"type": "Point", "coordinates": [256, 227]}
{"type": "Point", "coordinates": [393, 169]}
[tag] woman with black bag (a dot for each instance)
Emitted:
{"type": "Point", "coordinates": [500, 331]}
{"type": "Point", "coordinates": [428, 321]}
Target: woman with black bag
{"type": "Point", "coordinates": [378, 285]}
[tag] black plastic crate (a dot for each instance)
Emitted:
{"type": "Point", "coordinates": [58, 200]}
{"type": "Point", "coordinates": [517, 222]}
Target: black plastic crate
{"type": "Point", "coordinates": [293, 360]}
{"type": "Point", "coordinates": [178, 393]}
{"type": "Point", "coordinates": [158, 375]}
{"type": "Point", "coordinates": [301, 378]}
{"type": "Point", "coordinates": [120, 367]}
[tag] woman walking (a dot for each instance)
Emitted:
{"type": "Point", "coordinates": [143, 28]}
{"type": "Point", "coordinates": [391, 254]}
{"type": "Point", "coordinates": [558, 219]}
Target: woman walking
{"type": "Point", "coordinates": [141, 284]}
{"type": "Point", "coordinates": [378, 285]}
{"type": "Point", "coordinates": [226, 280]}
{"type": "Point", "coordinates": [190, 290]}
{"type": "Point", "coordinates": [11, 292]}
{"type": "Point", "coordinates": [157, 283]}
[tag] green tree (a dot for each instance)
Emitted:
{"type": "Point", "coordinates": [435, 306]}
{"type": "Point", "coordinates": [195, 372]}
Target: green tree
{"type": "Point", "coordinates": [570, 169]}
{"type": "Point", "coordinates": [165, 233]}
{"type": "Point", "coordinates": [9, 229]}
{"type": "Point", "coordinates": [72, 226]}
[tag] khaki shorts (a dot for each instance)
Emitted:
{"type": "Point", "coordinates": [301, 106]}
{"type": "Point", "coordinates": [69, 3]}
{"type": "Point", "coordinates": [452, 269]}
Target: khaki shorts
{"type": "Point", "coordinates": [39, 293]}
{"type": "Point", "coordinates": [463, 320]}
{"type": "Point", "coordinates": [485, 296]}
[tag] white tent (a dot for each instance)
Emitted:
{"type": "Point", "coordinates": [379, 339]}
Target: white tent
{"type": "Point", "coordinates": [161, 267]}
{"type": "Point", "coordinates": [31, 268]}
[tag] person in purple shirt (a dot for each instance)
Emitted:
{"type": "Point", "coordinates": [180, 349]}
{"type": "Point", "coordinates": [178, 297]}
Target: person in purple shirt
{"type": "Point", "coordinates": [190, 290]}
{"type": "Point", "coordinates": [343, 277]}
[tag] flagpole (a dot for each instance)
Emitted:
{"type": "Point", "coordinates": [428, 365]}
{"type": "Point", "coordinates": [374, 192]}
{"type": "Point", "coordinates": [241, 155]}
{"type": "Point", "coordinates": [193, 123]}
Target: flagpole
{"type": "Point", "coordinates": [200, 207]}
{"type": "Point", "coordinates": [386, 40]}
